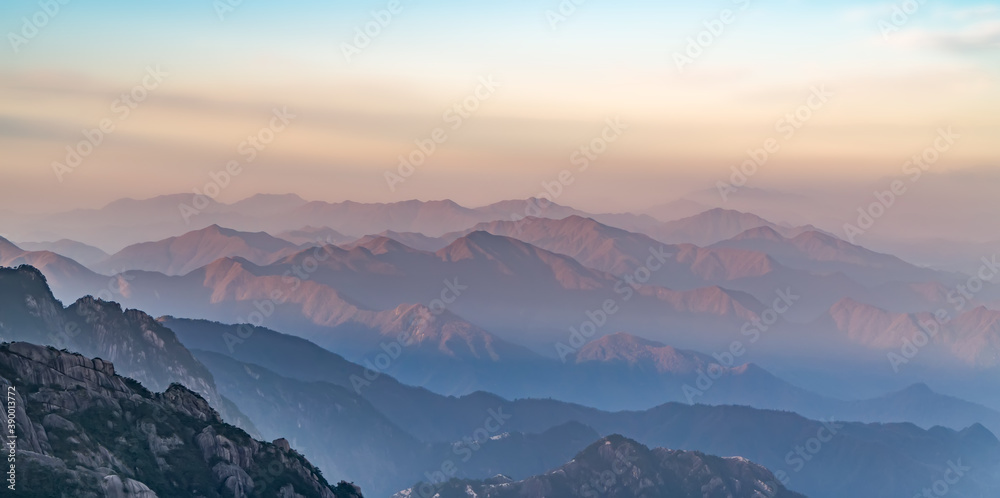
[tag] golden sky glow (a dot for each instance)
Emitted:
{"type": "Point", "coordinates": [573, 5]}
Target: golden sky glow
{"type": "Point", "coordinates": [556, 90]}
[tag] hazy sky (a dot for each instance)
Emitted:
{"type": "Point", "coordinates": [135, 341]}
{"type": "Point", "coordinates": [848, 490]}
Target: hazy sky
{"type": "Point", "coordinates": [223, 77]}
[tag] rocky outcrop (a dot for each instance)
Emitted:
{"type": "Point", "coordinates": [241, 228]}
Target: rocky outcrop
{"type": "Point", "coordinates": [84, 431]}
{"type": "Point", "coordinates": [619, 467]}
{"type": "Point", "coordinates": [142, 348]}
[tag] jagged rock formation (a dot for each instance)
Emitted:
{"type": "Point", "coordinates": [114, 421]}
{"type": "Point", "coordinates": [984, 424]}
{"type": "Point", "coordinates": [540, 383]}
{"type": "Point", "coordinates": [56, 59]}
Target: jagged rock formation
{"type": "Point", "coordinates": [141, 347]}
{"type": "Point", "coordinates": [85, 432]}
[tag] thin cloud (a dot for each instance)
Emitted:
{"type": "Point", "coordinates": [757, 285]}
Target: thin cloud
{"type": "Point", "coordinates": [974, 12]}
{"type": "Point", "coordinates": [866, 13]}
{"type": "Point", "coordinates": [979, 36]}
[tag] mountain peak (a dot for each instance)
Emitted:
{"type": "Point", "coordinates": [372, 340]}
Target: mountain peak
{"type": "Point", "coordinates": [919, 388]}
{"type": "Point", "coordinates": [720, 211]}
{"type": "Point", "coordinates": [813, 241]}
{"type": "Point", "coordinates": [521, 205]}
{"type": "Point", "coordinates": [709, 227]}
{"type": "Point", "coordinates": [616, 442]}
{"type": "Point", "coordinates": [979, 433]}
{"type": "Point", "coordinates": [381, 244]}
{"type": "Point", "coordinates": [638, 471]}
{"type": "Point", "coordinates": [8, 248]}
{"type": "Point", "coordinates": [635, 351]}
{"type": "Point", "coordinates": [443, 202]}
{"type": "Point", "coordinates": [625, 340]}
{"type": "Point", "coordinates": [760, 233]}
{"type": "Point", "coordinates": [478, 244]}
{"type": "Point", "coordinates": [216, 228]}
{"type": "Point", "coordinates": [184, 253]}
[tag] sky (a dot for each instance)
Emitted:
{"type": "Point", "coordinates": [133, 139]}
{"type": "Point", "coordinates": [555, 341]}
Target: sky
{"type": "Point", "coordinates": [659, 98]}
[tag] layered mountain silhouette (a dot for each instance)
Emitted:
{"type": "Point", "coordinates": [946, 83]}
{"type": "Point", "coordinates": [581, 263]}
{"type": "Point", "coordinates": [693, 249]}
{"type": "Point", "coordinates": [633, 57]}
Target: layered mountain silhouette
{"type": "Point", "coordinates": [410, 239]}
{"type": "Point", "coordinates": [69, 278]}
{"type": "Point", "coordinates": [142, 348]}
{"type": "Point", "coordinates": [821, 252]}
{"type": "Point", "coordinates": [620, 252]}
{"type": "Point", "coordinates": [707, 290]}
{"type": "Point", "coordinates": [711, 226]}
{"type": "Point", "coordinates": [273, 376]}
{"type": "Point", "coordinates": [768, 437]}
{"type": "Point", "coordinates": [126, 221]}
{"type": "Point", "coordinates": [504, 339]}
{"type": "Point", "coordinates": [971, 336]}
{"type": "Point", "coordinates": [342, 433]}
{"type": "Point", "coordinates": [84, 254]}
{"type": "Point", "coordinates": [695, 296]}
{"type": "Point", "coordinates": [824, 268]}
{"type": "Point", "coordinates": [181, 255]}
{"type": "Point", "coordinates": [312, 236]}
{"type": "Point", "coordinates": [373, 284]}
{"type": "Point", "coordinates": [676, 209]}
{"type": "Point", "coordinates": [129, 221]}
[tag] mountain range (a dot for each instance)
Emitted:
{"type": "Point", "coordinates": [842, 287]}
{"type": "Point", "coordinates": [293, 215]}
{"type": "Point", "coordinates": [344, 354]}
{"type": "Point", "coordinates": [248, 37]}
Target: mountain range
{"type": "Point", "coordinates": [556, 272]}
{"type": "Point", "coordinates": [290, 371]}
{"type": "Point", "coordinates": [485, 350]}
{"type": "Point", "coordinates": [181, 255]}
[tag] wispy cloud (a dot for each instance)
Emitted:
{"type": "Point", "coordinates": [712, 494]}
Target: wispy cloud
{"type": "Point", "coordinates": [974, 12]}
{"type": "Point", "coordinates": [866, 13]}
{"type": "Point", "coordinates": [984, 35]}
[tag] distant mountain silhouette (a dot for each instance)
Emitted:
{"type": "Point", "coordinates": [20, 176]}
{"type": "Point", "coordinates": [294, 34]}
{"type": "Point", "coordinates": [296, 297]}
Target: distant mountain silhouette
{"type": "Point", "coordinates": [180, 255]}
{"type": "Point", "coordinates": [77, 251]}
{"type": "Point", "coordinates": [314, 236]}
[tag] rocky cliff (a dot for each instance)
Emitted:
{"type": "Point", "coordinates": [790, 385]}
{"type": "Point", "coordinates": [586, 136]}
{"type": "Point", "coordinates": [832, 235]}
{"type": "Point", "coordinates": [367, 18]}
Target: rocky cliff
{"type": "Point", "coordinates": [141, 347]}
{"type": "Point", "coordinates": [85, 432]}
